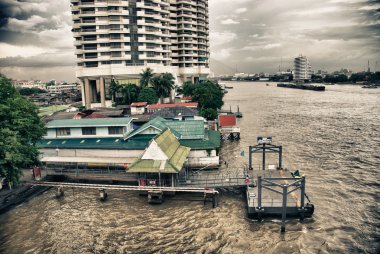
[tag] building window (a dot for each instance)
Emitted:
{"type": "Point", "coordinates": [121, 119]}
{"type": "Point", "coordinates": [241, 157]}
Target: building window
{"type": "Point", "coordinates": [115, 130]}
{"type": "Point", "coordinates": [63, 132]}
{"type": "Point", "coordinates": [89, 131]}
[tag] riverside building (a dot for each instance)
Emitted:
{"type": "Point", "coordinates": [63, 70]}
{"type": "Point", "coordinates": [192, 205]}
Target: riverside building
{"type": "Point", "coordinates": [118, 39]}
{"type": "Point", "coordinates": [302, 68]}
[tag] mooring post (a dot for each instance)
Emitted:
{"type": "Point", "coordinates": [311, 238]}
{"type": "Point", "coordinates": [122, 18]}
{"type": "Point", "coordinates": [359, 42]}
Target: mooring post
{"type": "Point", "coordinates": [284, 204]}
{"type": "Point", "coordinates": [250, 157]}
{"type": "Point", "coordinates": [264, 156]}
{"type": "Point", "coordinates": [102, 194]}
{"type": "Point", "coordinates": [280, 157]}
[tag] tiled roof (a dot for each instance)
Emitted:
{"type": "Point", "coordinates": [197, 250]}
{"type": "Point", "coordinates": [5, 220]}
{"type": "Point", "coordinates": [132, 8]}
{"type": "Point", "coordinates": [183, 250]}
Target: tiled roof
{"type": "Point", "coordinates": [158, 106]}
{"type": "Point", "coordinates": [139, 104]}
{"type": "Point", "coordinates": [88, 122]}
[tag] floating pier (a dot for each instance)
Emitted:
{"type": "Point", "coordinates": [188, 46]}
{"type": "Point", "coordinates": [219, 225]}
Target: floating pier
{"type": "Point", "coordinates": [276, 192]}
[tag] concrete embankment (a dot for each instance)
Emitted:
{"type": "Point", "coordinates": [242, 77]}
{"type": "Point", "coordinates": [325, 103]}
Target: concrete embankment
{"type": "Point", "coordinates": [18, 195]}
{"type": "Point", "coordinates": [10, 198]}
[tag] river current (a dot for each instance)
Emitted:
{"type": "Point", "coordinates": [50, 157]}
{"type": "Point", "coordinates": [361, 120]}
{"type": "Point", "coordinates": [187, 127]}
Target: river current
{"type": "Point", "coordinates": [333, 137]}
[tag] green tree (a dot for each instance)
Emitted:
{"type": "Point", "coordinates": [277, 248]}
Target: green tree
{"type": "Point", "coordinates": [114, 89]}
{"type": "Point", "coordinates": [130, 93]}
{"type": "Point", "coordinates": [188, 88]}
{"type": "Point", "coordinates": [209, 113]}
{"type": "Point", "coordinates": [20, 129]}
{"type": "Point", "coordinates": [163, 85]}
{"type": "Point", "coordinates": [146, 77]}
{"type": "Point", "coordinates": [29, 91]}
{"type": "Point", "coordinates": [208, 95]}
{"type": "Point", "coordinates": [148, 95]}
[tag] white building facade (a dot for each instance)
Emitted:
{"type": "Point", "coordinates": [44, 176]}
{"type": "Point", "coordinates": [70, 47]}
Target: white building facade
{"type": "Point", "coordinates": [302, 68]}
{"type": "Point", "coordinates": [118, 39]}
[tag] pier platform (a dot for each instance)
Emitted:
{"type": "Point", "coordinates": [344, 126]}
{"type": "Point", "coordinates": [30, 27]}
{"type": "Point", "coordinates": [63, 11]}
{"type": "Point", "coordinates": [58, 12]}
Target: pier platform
{"type": "Point", "coordinates": [277, 193]}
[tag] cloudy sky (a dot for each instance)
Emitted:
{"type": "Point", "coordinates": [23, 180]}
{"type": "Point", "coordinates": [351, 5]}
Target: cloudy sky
{"type": "Point", "coordinates": [247, 35]}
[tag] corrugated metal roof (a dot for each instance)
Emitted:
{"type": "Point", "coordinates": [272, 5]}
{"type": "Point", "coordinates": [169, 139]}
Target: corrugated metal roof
{"type": "Point", "coordinates": [212, 141]}
{"type": "Point", "coordinates": [169, 145]}
{"type": "Point", "coordinates": [88, 122]}
{"type": "Point", "coordinates": [189, 129]}
{"type": "Point", "coordinates": [94, 143]}
{"type": "Point", "coordinates": [176, 112]}
{"type": "Point", "coordinates": [227, 120]}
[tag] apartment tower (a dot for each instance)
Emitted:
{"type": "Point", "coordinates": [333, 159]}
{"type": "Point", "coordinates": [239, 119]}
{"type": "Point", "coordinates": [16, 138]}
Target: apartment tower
{"type": "Point", "coordinates": [118, 39]}
{"type": "Point", "coordinates": [302, 69]}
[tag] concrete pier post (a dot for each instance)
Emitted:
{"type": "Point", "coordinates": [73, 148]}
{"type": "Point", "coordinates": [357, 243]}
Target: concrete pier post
{"type": "Point", "coordinates": [102, 195]}
{"type": "Point", "coordinates": [264, 146]}
{"type": "Point", "coordinates": [87, 93]}
{"type": "Point", "coordinates": [102, 92]}
{"type": "Point", "coordinates": [60, 192]}
{"type": "Point", "coordinates": [303, 192]}
{"type": "Point", "coordinates": [284, 204]}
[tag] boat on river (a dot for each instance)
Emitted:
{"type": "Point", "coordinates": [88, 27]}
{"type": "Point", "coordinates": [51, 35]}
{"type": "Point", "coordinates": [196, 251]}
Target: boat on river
{"type": "Point", "coordinates": [302, 86]}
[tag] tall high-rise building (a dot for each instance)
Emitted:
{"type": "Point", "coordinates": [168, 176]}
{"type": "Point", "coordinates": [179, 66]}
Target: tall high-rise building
{"type": "Point", "coordinates": [302, 68]}
{"type": "Point", "coordinates": [118, 39]}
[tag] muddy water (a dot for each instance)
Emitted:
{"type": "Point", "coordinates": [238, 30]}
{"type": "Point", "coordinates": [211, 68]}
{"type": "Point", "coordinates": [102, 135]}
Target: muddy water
{"type": "Point", "coordinates": [333, 137]}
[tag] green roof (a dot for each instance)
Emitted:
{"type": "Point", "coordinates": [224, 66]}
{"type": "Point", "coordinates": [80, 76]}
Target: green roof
{"type": "Point", "coordinates": [65, 123]}
{"type": "Point", "coordinates": [212, 141]}
{"type": "Point", "coordinates": [188, 129]}
{"type": "Point", "coordinates": [94, 143]}
{"type": "Point", "coordinates": [175, 153]}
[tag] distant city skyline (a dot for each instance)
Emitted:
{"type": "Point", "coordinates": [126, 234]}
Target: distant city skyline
{"type": "Point", "coordinates": [249, 36]}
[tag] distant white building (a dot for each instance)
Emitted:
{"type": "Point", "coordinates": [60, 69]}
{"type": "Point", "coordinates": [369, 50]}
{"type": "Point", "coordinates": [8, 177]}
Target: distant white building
{"type": "Point", "coordinates": [63, 88]}
{"type": "Point", "coordinates": [302, 68]}
{"type": "Point", "coordinates": [29, 84]}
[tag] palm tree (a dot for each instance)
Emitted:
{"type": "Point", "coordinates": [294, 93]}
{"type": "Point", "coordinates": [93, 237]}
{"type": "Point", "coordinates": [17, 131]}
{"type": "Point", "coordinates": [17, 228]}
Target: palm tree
{"type": "Point", "coordinates": [146, 77]}
{"type": "Point", "coordinates": [130, 93]}
{"type": "Point", "coordinates": [163, 85]}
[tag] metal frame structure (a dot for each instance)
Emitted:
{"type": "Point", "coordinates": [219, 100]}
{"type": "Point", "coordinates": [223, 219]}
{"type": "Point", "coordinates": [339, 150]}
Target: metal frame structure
{"type": "Point", "coordinates": [265, 148]}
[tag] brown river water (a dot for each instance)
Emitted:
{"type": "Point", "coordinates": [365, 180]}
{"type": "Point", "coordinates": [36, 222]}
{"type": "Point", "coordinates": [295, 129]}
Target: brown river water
{"type": "Point", "coordinates": [332, 136]}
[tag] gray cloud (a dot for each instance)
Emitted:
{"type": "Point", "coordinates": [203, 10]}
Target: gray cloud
{"type": "Point", "coordinates": [251, 34]}
{"type": "Point", "coordinates": [41, 60]}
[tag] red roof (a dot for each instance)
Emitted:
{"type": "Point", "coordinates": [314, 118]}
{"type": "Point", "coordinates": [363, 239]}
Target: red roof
{"type": "Point", "coordinates": [188, 98]}
{"type": "Point", "coordinates": [159, 106]}
{"type": "Point", "coordinates": [139, 104]}
{"type": "Point", "coordinates": [227, 120]}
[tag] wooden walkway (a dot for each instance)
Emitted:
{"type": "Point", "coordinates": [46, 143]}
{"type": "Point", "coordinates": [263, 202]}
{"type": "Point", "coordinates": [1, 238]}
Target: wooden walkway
{"type": "Point", "coordinates": [124, 187]}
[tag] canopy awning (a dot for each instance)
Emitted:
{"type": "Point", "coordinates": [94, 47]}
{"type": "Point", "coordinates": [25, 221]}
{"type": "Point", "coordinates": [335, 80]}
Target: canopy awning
{"type": "Point", "coordinates": [101, 160]}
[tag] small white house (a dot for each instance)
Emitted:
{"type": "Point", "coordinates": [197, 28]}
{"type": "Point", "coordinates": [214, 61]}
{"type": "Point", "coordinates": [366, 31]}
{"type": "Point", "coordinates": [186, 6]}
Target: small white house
{"type": "Point", "coordinates": [138, 108]}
